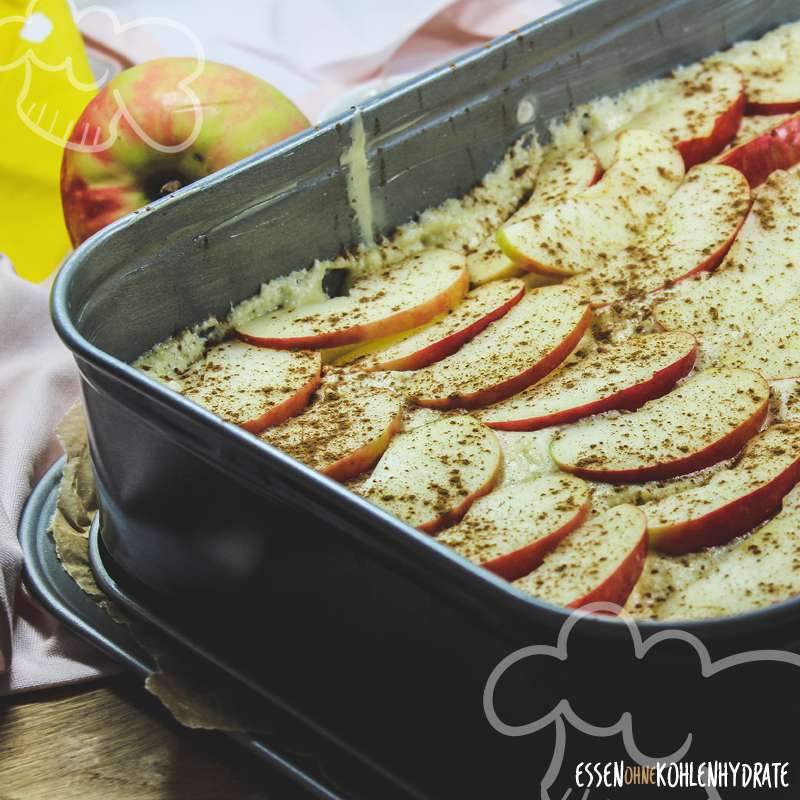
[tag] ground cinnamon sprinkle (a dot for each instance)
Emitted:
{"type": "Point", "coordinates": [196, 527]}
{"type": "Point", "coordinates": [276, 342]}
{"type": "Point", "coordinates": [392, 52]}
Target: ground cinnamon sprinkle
{"type": "Point", "coordinates": [432, 473]}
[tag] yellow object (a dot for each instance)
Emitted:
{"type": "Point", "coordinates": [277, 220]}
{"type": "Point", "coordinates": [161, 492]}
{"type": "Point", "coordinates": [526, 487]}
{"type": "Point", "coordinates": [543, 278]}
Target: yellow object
{"type": "Point", "coordinates": [45, 83]}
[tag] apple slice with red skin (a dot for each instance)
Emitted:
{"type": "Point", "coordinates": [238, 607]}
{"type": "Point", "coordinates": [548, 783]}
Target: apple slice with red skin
{"type": "Point", "coordinates": [344, 431]}
{"type": "Point", "coordinates": [510, 530]}
{"type": "Point", "coordinates": [623, 376]}
{"type": "Point", "coordinates": [401, 297]}
{"type": "Point", "coordinates": [520, 348]}
{"type": "Point", "coordinates": [443, 337]}
{"type": "Point", "coordinates": [708, 418]}
{"type": "Point", "coordinates": [599, 562]}
{"type": "Point", "coordinates": [754, 280]}
{"type": "Point", "coordinates": [734, 501]}
{"type": "Point", "coordinates": [699, 114]}
{"type": "Point", "coordinates": [430, 476]}
{"type": "Point", "coordinates": [699, 225]}
{"type": "Point", "coordinates": [756, 572]}
{"type": "Point", "coordinates": [583, 231]}
{"type": "Point", "coordinates": [771, 71]}
{"type": "Point", "coordinates": [776, 148]}
{"type": "Point", "coordinates": [773, 349]}
{"type": "Point", "coordinates": [755, 126]}
{"type": "Point", "coordinates": [562, 175]}
{"type": "Point", "coordinates": [250, 386]}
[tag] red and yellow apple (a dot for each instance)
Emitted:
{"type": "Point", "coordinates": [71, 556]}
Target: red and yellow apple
{"type": "Point", "coordinates": [162, 125]}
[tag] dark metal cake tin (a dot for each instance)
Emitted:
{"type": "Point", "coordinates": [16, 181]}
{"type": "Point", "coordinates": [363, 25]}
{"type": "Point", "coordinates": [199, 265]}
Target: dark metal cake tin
{"type": "Point", "coordinates": [291, 752]}
{"type": "Point", "coordinates": [370, 627]}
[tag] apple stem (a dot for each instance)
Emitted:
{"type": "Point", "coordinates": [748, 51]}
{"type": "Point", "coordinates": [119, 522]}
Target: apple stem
{"type": "Point", "coordinates": [170, 186]}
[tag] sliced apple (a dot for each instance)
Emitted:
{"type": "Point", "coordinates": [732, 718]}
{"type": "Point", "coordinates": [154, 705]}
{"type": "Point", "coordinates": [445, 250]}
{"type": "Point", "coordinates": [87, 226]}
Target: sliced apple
{"type": "Point", "coordinates": [511, 530]}
{"type": "Point", "coordinates": [699, 113]}
{"type": "Point", "coordinates": [599, 562]}
{"type": "Point", "coordinates": [344, 431]}
{"type": "Point", "coordinates": [767, 152]}
{"type": "Point", "coordinates": [757, 572]}
{"type": "Point", "coordinates": [699, 224]}
{"type": "Point", "coordinates": [771, 71]}
{"type": "Point", "coordinates": [754, 280]}
{"type": "Point", "coordinates": [430, 476]}
{"type": "Point", "coordinates": [751, 127]}
{"type": "Point", "coordinates": [773, 349]}
{"type": "Point", "coordinates": [734, 501]}
{"type": "Point", "coordinates": [251, 386]}
{"type": "Point", "coordinates": [530, 341]}
{"type": "Point", "coordinates": [584, 231]}
{"type": "Point", "coordinates": [666, 577]}
{"type": "Point", "coordinates": [705, 420]}
{"type": "Point", "coordinates": [396, 299]}
{"type": "Point", "coordinates": [623, 376]}
{"type": "Point", "coordinates": [442, 338]}
{"type": "Point", "coordinates": [562, 175]}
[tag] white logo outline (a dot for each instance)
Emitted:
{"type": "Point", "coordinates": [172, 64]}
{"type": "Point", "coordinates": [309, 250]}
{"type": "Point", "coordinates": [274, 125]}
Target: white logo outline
{"type": "Point", "coordinates": [30, 59]}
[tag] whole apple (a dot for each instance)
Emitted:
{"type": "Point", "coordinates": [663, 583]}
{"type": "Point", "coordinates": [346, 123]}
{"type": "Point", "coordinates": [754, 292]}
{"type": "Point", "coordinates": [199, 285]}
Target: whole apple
{"type": "Point", "coordinates": [162, 125]}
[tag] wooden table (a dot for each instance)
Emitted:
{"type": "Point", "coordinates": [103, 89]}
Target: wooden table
{"type": "Point", "coordinates": [111, 740]}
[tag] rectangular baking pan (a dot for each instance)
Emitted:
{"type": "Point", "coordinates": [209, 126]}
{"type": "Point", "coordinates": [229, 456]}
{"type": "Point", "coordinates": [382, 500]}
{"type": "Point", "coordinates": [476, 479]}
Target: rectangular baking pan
{"type": "Point", "coordinates": [368, 626]}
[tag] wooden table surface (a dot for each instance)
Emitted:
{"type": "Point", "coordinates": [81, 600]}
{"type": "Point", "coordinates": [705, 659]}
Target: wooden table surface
{"type": "Point", "coordinates": [111, 740]}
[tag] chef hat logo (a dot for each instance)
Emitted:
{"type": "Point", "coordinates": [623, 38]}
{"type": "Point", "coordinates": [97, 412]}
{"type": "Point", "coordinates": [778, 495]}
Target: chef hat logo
{"type": "Point", "coordinates": [36, 32]}
{"type": "Point", "coordinates": [562, 712]}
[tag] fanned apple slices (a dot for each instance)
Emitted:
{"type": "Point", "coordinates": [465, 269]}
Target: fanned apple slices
{"type": "Point", "coordinates": [430, 476]}
{"type": "Point", "coordinates": [757, 572]}
{"type": "Point", "coordinates": [705, 420]}
{"type": "Point", "coordinates": [531, 340]}
{"type": "Point", "coordinates": [599, 562]}
{"type": "Point", "coordinates": [251, 386]}
{"type": "Point", "coordinates": [344, 431]}
{"type": "Point", "coordinates": [773, 349]}
{"type": "Point", "coordinates": [767, 152]}
{"type": "Point", "coordinates": [510, 530]}
{"type": "Point", "coordinates": [699, 114]}
{"type": "Point", "coordinates": [761, 270]}
{"type": "Point", "coordinates": [699, 224]}
{"type": "Point", "coordinates": [396, 299]}
{"type": "Point", "coordinates": [583, 231]}
{"type": "Point", "coordinates": [442, 338]}
{"type": "Point", "coordinates": [623, 376]}
{"type": "Point", "coordinates": [560, 176]}
{"type": "Point", "coordinates": [734, 501]}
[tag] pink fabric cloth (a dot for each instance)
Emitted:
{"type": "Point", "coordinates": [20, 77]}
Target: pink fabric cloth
{"type": "Point", "coordinates": [38, 384]}
{"type": "Point", "coordinates": [313, 51]}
